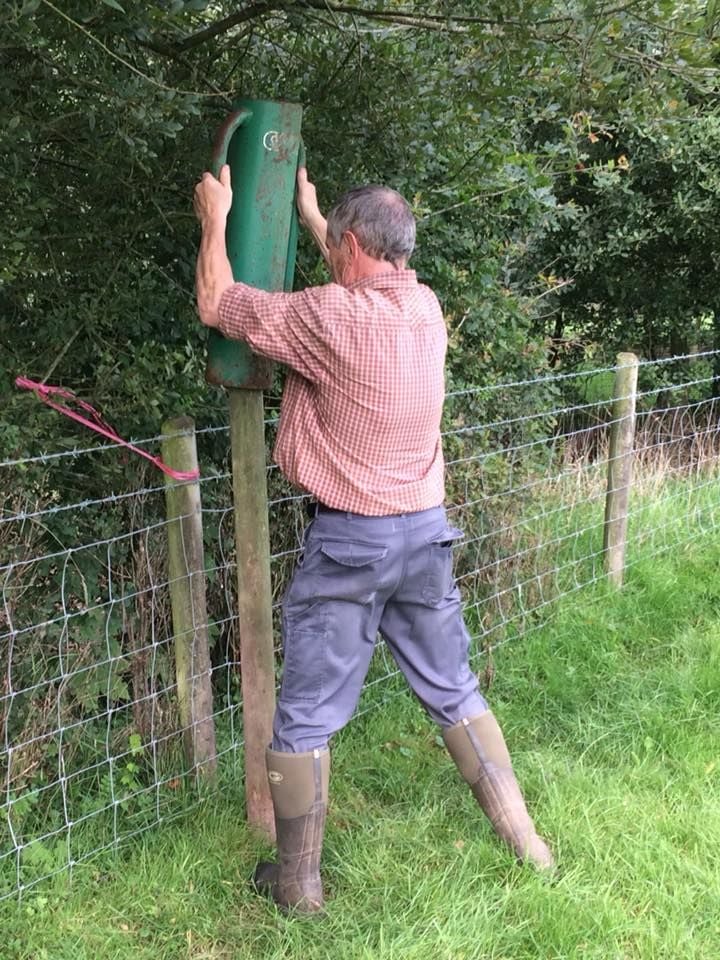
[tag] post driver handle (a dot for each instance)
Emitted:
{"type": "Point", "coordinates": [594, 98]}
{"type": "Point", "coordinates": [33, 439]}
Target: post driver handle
{"type": "Point", "coordinates": [223, 138]}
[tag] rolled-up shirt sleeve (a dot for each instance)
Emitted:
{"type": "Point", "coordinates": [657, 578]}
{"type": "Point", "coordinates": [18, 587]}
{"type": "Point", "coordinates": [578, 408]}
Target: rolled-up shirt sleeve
{"type": "Point", "coordinates": [291, 328]}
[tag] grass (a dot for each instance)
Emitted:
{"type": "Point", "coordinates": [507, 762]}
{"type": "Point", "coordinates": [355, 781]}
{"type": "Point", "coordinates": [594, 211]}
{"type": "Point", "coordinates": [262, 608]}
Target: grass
{"type": "Point", "coordinates": [612, 714]}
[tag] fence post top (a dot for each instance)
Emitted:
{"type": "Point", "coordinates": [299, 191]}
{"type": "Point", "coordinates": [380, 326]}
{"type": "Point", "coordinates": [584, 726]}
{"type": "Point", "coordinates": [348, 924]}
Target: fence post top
{"type": "Point", "coordinates": [177, 424]}
{"type": "Point", "coordinates": [627, 359]}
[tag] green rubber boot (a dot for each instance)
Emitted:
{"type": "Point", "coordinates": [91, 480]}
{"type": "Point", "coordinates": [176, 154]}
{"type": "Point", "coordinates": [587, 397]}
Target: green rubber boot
{"type": "Point", "coordinates": [299, 790]}
{"type": "Point", "coordinates": [478, 748]}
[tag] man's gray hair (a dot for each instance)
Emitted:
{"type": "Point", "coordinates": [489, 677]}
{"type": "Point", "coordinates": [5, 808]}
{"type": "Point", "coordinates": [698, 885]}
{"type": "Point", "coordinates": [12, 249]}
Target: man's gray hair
{"type": "Point", "coordinates": [380, 218]}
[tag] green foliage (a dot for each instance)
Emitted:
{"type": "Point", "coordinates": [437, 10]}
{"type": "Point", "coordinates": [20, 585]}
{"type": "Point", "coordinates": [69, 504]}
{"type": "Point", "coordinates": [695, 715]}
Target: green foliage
{"type": "Point", "coordinates": [480, 114]}
{"type": "Point", "coordinates": [635, 250]}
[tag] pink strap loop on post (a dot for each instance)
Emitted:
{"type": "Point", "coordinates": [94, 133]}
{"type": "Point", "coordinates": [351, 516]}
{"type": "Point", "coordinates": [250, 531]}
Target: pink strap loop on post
{"type": "Point", "coordinates": [94, 421]}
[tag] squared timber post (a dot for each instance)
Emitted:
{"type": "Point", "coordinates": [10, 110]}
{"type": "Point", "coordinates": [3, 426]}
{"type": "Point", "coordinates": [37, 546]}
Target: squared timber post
{"type": "Point", "coordinates": [252, 536]}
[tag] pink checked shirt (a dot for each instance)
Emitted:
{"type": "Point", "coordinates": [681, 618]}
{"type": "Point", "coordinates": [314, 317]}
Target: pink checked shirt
{"type": "Point", "coordinates": [360, 417]}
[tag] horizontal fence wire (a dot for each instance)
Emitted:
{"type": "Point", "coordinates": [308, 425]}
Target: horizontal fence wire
{"type": "Point", "coordinates": [92, 745]}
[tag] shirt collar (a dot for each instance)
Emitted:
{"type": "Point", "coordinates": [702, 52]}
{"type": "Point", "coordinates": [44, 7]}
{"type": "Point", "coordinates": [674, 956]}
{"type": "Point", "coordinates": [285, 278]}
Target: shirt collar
{"type": "Point", "coordinates": [391, 280]}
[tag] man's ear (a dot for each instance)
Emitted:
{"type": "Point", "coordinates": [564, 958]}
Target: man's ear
{"type": "Point", "coordinates": [352, 245]}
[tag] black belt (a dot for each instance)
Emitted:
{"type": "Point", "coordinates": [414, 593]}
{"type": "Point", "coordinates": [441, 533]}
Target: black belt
{"type": "Point", "coordinates": [313, 508]}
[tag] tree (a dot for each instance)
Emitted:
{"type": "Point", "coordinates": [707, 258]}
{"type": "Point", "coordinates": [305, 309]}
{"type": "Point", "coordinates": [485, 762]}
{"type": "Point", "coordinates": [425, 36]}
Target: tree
{"type": "Point", "coordinates": [628, 267]}
{"type": "Point", "coordinates": [109, 109]}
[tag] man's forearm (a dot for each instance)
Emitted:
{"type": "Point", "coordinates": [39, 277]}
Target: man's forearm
{"type": "Point", "coordinates": [309, 211]}
{"type": "Point", "coordinates": [318, 228]}
{"type": "Point", "coordinates": [213, 274]}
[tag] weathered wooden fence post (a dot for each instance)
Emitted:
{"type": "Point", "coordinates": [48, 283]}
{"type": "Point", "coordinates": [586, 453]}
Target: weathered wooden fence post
{"type": "Point", "coordinates": [252, 536]}
{"type": "Point", "coordinates": [620, 466]}
{"type": "Point", "coordinates": [186, 565]}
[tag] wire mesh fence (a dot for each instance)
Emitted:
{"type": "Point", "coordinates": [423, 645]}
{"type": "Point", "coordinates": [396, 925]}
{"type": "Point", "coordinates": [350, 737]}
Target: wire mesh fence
{"type": "Point", "coordinates": [91, 740]}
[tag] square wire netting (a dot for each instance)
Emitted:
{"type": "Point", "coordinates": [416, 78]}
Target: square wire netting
{"type": "Point", "coordinates": [91, 741]}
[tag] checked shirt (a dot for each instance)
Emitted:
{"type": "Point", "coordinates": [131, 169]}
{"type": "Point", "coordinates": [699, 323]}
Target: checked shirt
{"type": "Point", "coordinates": [360, 417]}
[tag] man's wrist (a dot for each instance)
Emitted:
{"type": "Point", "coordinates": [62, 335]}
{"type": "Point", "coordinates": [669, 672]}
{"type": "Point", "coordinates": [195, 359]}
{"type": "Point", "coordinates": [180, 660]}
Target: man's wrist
{"type": "Point", "coordinates": [214, 225]}
{"type": "Point", "coordinates": [213, 272]}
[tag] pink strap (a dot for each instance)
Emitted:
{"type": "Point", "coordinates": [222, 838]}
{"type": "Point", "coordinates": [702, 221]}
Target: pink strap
{"type": "Point", "coordinates": [44, 391]}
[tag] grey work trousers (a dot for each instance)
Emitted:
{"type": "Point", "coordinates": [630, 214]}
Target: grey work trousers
{"type": "Point", "coordinates": [359, 576]}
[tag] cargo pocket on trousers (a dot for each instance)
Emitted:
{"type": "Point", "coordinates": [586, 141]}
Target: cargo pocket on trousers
{"type": "Point", "coordinates": [349, 569]}
{"type": "Point", "coordinates": [304, 664]}
{"type": "Point", "coordinates": [353, 553]}
{"type": "Point", "coordinates": [439, 581]}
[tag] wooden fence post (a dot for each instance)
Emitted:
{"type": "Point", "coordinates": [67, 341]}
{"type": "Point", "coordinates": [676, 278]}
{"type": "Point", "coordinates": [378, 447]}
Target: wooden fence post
{"type": "Point", "coordinates": [252, 538]}
{"type": "Point", "coordinates": [620, 466]}
{"type": "Point", "coordinates": [186, 567]}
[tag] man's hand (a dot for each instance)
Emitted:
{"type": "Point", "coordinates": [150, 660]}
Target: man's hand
{"type": "Point", "coordinates": [212, 202]}
{"type": "Point", "coordinates": [309, 211]}
{"type": "Point", "coordinates": [213, 198]}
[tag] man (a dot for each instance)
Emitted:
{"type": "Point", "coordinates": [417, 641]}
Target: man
{"type": "Point", "coordinates": [360, 431]}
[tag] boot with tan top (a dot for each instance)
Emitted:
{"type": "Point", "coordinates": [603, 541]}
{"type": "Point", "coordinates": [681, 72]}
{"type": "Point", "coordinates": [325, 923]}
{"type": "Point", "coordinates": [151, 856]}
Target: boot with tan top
{"type": "Point", "coordinates": [299, 791]}
{"type": "Point", "coordinates": [478, 748]}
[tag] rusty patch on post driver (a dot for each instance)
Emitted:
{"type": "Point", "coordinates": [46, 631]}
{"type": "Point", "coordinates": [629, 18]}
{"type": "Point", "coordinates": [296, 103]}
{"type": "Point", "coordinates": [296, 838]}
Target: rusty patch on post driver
{"type": "Point", "coordinates": [258, 377]}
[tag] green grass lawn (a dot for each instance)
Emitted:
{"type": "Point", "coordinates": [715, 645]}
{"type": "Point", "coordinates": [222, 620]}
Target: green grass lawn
{"type": "Point", "coordinates": [612, 714]}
